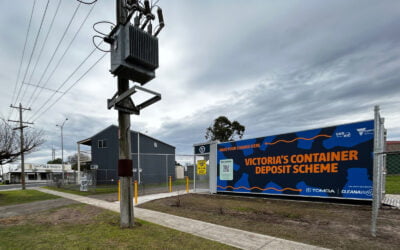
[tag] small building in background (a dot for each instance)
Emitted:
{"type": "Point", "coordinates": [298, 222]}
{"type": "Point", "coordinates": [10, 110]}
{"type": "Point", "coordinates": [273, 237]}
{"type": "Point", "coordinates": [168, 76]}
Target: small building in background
{"type": "Point", "coordinates": [179, 172]}
{"type": "Point", "coordinates": [36, 173]}
{"type": "Point", "coordinates": [154, 163]}
{"type": "Point", "coordinates": [392, 146]}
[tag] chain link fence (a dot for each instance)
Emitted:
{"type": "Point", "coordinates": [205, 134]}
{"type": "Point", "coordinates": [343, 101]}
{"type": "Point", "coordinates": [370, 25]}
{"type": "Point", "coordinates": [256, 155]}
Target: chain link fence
{"type": "Point", "coordinates": [160, 173]}
{"type": "Point", "coordinates": [83, 181]}
{"type": "Point", "coordinates": [393, 163]}
{"type": "Point", "coordinates": [154, 173]}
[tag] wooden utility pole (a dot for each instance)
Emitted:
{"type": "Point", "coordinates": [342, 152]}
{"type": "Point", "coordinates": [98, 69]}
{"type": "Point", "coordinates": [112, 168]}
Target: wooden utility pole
{"type": "Point", "coordinates": [125, 158]}
{"type": "Point", "coordinates": [21, 128]}
{"type": "Point", "coordinates": [131, 41]}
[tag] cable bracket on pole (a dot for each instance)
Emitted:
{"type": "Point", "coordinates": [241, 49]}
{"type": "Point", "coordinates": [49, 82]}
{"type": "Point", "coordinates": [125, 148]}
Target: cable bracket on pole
{"type": "Point", "coordinates": [125, 104]}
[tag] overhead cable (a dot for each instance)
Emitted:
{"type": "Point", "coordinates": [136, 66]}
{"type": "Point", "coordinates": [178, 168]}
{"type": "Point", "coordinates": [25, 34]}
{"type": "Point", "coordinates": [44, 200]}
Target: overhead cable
{"type": "Point", "coordinates": [41, 50]}
{"type": "Point", "coordinates": [33, 51]}
{"type": "Point", "coordinates": [63, 83]}
{"type": "Point", "coordinates": [22, 57]}
{"type": "Point", "coordinates": [62, 56]}
{"type": "Point", "coordinates": [79, 79]}
{"type": "Point", "coordinates": [58, 45]}
{"type": "Point", "coordinates": [92, 2]}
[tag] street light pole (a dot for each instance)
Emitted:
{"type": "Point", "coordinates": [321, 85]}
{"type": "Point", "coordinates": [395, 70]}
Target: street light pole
{"type": "Point", "coordinates": [62, 147]}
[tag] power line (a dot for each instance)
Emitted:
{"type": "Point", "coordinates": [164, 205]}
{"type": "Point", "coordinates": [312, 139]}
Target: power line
{"type": "Point", "coordinates": [59, 43]}
{"type": "Point", "coordinates": [80, 78]}
{"type": "Point", "coordinates": [44, 44]}
{"type": "Point", "coordinates": [22, 57]}
{"type": "Point", "coordinates": [61, 58]}
{"type": "Point", "coordinates": [33, 51]}
{"type": "Point", "coordinates": [63, 83]}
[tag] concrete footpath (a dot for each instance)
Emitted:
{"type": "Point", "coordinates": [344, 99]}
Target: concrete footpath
{"type": "Point", "coordinates": [229, 236]}
{"type": "Point", "coordinates": [392, 200]}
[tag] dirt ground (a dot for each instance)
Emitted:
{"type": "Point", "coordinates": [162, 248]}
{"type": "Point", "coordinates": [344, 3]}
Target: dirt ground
{"type": "Point", "coordinates": [52, 216]}
{"type": "Point", "coordinates": [105, 197]}
{"type": "Point", "coordinates": [33, 207]}
{"type": "Point", "coordinates": [332, 225]}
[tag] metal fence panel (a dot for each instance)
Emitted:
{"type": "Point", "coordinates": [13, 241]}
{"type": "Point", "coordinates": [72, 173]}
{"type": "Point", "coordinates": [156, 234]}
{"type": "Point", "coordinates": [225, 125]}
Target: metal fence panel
{"type": "Point", "coordinates": [393, 164]}
{"type": "Point", "coordinates": [154, 173]}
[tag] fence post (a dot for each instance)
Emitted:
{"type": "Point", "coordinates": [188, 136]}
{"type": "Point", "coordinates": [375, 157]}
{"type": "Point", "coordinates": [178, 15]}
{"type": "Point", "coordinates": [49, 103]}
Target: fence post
{"type": "Point", "coordinates": [187, 184]}
{"type": "Point", "coordinates": [194, 173]}
{"type": "Point", "coordinates": [119, 191]}
{"type": "Point", "coordinates": [136, 191]}
{"type": "Point", "coordinates": [376, 172]}
{"type": "Point", "coordinates": [166, 170]}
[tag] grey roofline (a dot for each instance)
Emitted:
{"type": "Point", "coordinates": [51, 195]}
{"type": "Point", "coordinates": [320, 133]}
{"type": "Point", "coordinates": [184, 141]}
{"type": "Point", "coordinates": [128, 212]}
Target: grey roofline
{"type": "Point", "coordinates": [90, 138]}
{"type": "Point", "coordinates": [205, 143]}
{"type": "Point", "coordinates": [84, 141]}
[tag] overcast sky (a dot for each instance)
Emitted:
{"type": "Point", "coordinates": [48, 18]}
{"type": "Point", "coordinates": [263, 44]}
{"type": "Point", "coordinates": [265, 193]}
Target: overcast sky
{"type": "Point", "coordinates": [274, 66]}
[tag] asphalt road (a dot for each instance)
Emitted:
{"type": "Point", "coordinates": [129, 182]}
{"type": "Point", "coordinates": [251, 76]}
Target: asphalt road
{"type": "Point", "coordinates": [18, 186]}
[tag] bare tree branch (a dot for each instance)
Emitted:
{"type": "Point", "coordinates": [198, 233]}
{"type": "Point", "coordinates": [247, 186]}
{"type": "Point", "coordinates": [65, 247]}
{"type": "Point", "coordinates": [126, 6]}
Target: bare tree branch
{"type": "Point", "coordinates": [10, 149]}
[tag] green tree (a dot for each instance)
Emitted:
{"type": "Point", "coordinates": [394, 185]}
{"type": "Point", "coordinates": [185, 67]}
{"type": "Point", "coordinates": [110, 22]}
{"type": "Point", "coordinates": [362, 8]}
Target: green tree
{"type": "Point", "coordinates": [55, 161]}
{"type": "Point", "coordinates": [224, 130]}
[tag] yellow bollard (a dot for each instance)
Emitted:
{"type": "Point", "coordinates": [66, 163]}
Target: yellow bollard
{"type": "Point", "coordinates": [119, 191]}
{"type": "Point", "coordinates": [136, 191]}
{"type": "Point", "coordinates": [187, 184]}
{"type": "Point", "coordinates": [170, 184]}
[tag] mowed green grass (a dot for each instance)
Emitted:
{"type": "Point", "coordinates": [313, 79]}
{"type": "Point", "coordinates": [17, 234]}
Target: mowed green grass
{"type": "Point", "coordinates": [393, 184]}
{"type": "Point", "coordinates": [98, 190]}
{"type": "Point", "coordinates": [85, 227]}
{"type": "Point", "coordinates": [23, 196]}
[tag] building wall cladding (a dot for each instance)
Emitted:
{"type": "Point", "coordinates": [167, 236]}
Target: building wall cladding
{"type": "Point", "coordinates": [157, 159]}
{"type": "Point", "coordinates": [392, 146]}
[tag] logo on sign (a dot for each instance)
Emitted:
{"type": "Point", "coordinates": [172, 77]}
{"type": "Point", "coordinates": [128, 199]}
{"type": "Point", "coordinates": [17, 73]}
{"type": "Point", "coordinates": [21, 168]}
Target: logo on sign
{"type": "Point", "coordinates": [365, 131]}
{"type": "Point", "coordinates": [202, 149]}
{"type": "Point", "coordinates": [343, 134]}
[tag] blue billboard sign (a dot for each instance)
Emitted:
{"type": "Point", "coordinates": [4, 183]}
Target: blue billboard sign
{"type": "Point", "coordinates": [331, 162]}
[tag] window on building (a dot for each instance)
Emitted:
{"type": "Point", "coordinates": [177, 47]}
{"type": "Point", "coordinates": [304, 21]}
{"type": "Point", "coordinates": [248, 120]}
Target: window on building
{"type": "Point", "coordinates": [102, 143]}
{"type": "Point", "coordinates": [32, 177]}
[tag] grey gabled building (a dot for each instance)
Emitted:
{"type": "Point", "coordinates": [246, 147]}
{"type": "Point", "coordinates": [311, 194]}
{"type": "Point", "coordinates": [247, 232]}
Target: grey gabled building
{"type": "Point", "coordinates": [156, 158]}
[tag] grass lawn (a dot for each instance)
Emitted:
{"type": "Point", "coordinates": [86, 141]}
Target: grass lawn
{"type": "Point", "coordinates": [106, 189]}
{"type": "Point", "coordinates": [23, 196]}
{"type": "Point", "coordinates": [330, 225]}
{"type": "Point", "coordinates": [393, 184]}
{"type": "Point", "coordinates": [87, 227]}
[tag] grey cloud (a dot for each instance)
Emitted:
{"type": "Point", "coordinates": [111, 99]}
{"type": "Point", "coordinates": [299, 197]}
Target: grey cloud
{"type": "Point", "coordinates": [283, 66]}
{"type": "Point", "coordinates": [312, 34]}
{"type": "Point", "coordinates": [307, 98]}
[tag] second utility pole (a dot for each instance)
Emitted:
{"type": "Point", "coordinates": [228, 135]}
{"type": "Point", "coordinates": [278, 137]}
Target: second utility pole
{"type": "Point", "coordinates": [125, 158]}
{"type": "Point", "coordinates": [21, 128]}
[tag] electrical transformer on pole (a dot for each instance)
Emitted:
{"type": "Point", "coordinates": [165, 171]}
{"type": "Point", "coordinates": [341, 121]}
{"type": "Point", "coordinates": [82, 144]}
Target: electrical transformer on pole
{"type": "Point", "coordinates": [134, 57]}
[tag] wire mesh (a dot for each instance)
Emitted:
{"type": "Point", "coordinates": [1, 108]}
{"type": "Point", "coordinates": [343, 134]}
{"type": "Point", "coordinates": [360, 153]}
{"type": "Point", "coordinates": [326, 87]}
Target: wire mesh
{"type": "Point", "coordinates": [393, 163]}
{"type": "Point", "coordinates": [154, 173]}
